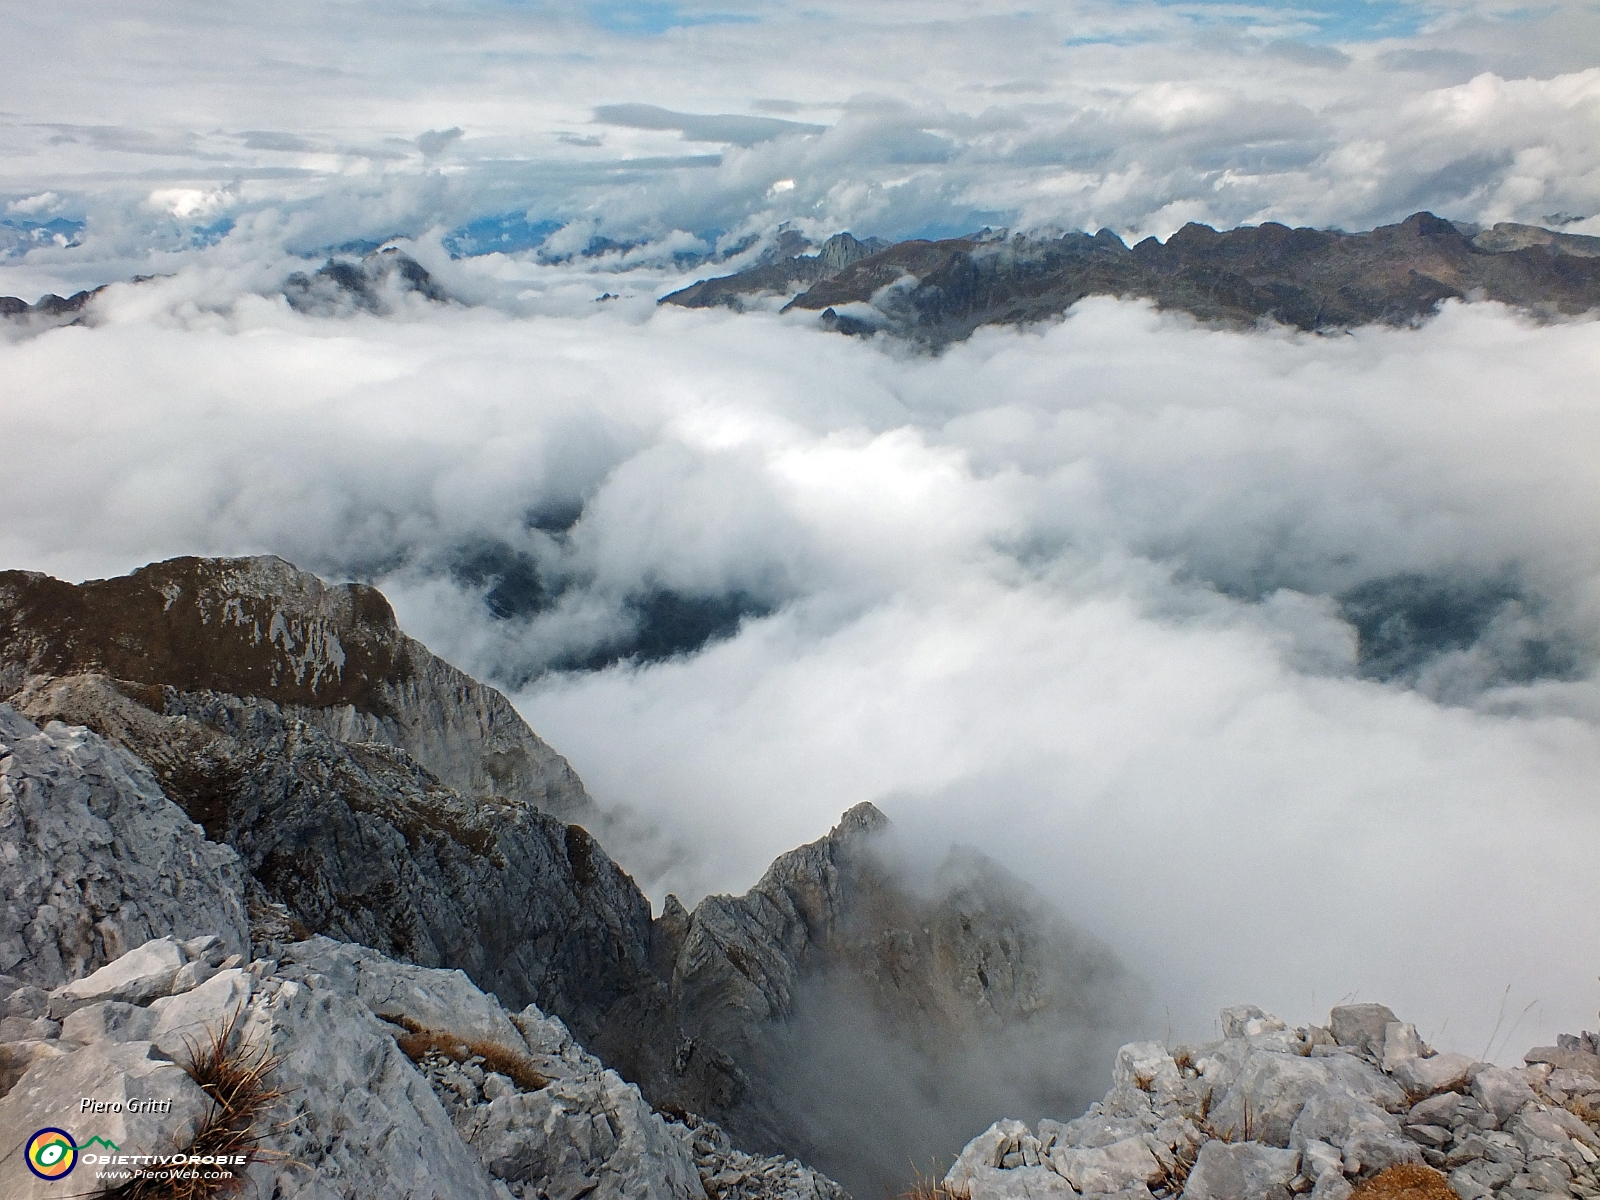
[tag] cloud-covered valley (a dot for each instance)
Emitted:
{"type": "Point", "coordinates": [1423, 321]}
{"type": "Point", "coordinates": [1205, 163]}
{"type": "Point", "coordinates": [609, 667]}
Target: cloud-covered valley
{"type": "Point", "coordinates": [1270, 656]}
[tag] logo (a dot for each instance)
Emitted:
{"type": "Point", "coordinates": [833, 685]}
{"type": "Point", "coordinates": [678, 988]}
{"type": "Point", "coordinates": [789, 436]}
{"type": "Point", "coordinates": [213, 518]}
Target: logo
{"type": "Point", "coordinates": [52, 1154]}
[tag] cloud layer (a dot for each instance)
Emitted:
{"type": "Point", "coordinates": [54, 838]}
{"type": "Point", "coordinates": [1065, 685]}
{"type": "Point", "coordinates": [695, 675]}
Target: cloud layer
{"type": "Point", "coordinates": [1088, 598]}
{"type": "Point", "coordinates": [166, 128]}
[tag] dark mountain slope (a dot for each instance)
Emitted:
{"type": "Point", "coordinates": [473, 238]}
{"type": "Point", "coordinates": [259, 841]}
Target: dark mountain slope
{"type": "Point", "coordinates": [937, 292]}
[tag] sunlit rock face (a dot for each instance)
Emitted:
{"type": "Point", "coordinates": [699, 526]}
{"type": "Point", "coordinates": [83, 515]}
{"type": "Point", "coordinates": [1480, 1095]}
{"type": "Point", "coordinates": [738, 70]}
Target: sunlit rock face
{"type": "Point", "coordinates": [331, 656]}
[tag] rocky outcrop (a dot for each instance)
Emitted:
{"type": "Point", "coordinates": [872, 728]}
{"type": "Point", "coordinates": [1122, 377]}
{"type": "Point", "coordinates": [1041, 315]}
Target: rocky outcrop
{"type": "Point", "coordinates": [330, 655]}
{"type": "Point", "coordinates": [375, 795]}
{"type": "Point", "coordinates": [96, 860]}
{"type": "Point", "coordinates": [937, 292]}
{"type": "Point", "coordinates": [781, 278]}
{"type": "Point", "coordinates": [359, 841]}
{"type": "Point", "coordinates": [373, 283]}
{"type": "Point", "coordinates": [49, 310]}
{"type": "Point", "coordinates": [854, 1012]}
{"type": "Point", "coordinates": [382, 1079]}
{"type": "Point", "coordinates": [1268, 1113]}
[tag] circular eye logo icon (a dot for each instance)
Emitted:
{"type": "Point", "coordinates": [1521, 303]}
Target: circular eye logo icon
{"type": "Point", "coordinates": [52, 1154]}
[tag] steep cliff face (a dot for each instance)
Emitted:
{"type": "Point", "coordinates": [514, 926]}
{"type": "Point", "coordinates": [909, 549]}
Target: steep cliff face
{"type": "Point", "coordinates": [863, 1013]}
{"type": "Point", "coordinates": [361, 842]}
{"type": "Point", "coordinates": [329, 655]}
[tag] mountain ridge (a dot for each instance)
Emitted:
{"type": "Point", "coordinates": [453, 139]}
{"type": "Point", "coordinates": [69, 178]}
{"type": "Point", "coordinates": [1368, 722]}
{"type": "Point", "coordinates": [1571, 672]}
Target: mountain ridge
{"type": "Point", "coordinates": [937, 292]}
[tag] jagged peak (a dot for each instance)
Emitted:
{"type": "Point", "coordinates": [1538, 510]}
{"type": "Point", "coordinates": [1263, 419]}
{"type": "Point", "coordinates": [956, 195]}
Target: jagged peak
{"type": "Point", "coordinates": [858, 821]}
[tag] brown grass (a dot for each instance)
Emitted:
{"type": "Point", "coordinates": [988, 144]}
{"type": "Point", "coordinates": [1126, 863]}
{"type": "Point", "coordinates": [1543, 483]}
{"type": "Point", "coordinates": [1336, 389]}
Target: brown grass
{"type": "Point", "coordinates": [1233, 1133]}
{"type": "Point", "coordinates": [235, 1078]}
{"type": "Point", "coordinates": [1408, 1181]}
{"type": "Point", "coordinates": [1174, 1173]}
{"type": "Point", "coordinates": [931, 1187]}
{"type": "Point", "coordinates": [417, 1043]}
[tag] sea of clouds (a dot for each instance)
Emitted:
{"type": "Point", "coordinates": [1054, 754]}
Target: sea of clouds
{"type": "Point", "coordinates": [1270, 657]}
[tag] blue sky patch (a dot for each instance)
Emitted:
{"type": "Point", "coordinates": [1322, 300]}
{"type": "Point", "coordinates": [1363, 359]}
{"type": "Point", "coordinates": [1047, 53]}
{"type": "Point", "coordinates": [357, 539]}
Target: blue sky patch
{"type": "Point", "coordinates": [1333, 20]}
{"type": "Point", "coordinates": [655, 16]}
{"type": "Point", "coordinates": [505, 233]}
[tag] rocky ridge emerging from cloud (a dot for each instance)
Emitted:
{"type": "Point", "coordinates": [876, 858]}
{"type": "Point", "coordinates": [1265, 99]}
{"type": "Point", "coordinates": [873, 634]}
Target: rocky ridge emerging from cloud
{"type": "Point", "coordinates": [395, 1079]}
{"type": "Point", "coordinates": [411, 1082]}
{"type": "Point", "coordinates": [380, 796]}
{"type": "Point", "coordinates": [938, 292]}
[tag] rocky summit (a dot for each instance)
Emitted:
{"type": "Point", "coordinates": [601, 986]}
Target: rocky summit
{"type": "Point", "coordinates": [1330, 1112]}
{"type": "Point", "coordinates": [936, 292]}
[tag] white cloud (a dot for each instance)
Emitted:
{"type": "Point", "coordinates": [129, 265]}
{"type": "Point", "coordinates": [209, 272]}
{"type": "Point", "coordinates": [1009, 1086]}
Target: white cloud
{"type": "Point", "coordinates": [1066, 594]}
{"type": "Point", "coordinates": [42, 203]}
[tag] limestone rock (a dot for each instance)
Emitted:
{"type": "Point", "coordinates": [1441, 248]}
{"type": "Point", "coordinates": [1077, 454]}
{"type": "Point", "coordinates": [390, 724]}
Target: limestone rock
{"type": "Point", "coordinates": [1275, 1088]}
{"type": "Point", "coordinates": [580, 1136]}
{"type": "Point", "coordinates": [362, 843]}
{"type": "Point", "coordinates": [137, 977]}
{"type": "Point", "coordinates": [185, 1022]}
{"type": "Point", "coordinates": [1425, 1076]}
{"type": "Point", "coordinates": [1362, 1026]}
{"type": "Point", "coordinates": [1501, 1092]}
{"type": "Point", "coordinates": [436, 1000]}
{"type": "Point", "coordinates": [1243, 1171]}
{"type": "Point", "coordinates": [1106, 1169]}
{"type": "Point", "coordinates": [954, 967]}
{"type": "Point", "coordinates": [356, 1110]}
{"type": "Point", "coordinates": [50, 1095]}
{"type": "Point", "coordinates": [98, 860]}
{"type": "Point", "coordinates": [331, 655]}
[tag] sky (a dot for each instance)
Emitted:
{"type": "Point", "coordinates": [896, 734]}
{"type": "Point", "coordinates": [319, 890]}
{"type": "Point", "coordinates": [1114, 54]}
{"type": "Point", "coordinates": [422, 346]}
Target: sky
{"type": "Point", "coordinates": [1270, 657]}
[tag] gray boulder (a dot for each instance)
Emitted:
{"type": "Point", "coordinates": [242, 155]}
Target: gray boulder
{"type": "Point", "coordinates": [1425, 1076]}
{"type": "Point", "coordinates": [575, 1137]}
{"type": "Point", "coordinates": [357, 1116]}
{"type": "Point", "coordinates": [98, 860]}
{"type": "Point", "coordinates": [1271, 1089]}
{"type": "Point", "coordinates": [137, 978]}
{"type": "Point", "coordinates": [1242, 1171]}
{"type": "Point", "coordinates": [418, 997]}
{"type": "Point", "coordinates": [1501, 1092]}
{"type": "Point", "coordinates": [1362, 1026]}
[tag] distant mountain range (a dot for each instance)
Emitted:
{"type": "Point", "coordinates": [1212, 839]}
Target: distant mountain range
{"type": "Point", "coordinates": [940, 291]}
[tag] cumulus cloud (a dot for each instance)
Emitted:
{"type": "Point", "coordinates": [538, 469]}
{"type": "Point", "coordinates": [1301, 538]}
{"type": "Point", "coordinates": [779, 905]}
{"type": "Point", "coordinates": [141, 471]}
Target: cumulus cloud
{"type": "Point", "coordinates": [890, 119]}
{"type": "Point", "coordinates": [1271, 657]}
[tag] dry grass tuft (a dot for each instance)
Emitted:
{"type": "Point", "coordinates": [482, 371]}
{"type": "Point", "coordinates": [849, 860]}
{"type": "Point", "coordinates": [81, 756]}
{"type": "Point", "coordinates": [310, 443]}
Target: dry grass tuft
{"type": "Point", "coordinates": [1175, 1170]}
{"type": "Point", "coordinates": [235, 1077]}
{"type": "Point", "coordinates": [1233, 1133]}
{"type": "Point", "coordinates": [931, 1187]}
{"type": "Point", "coordinates": [417, 1043]}
{"type": "Point", "coordinates": [1406, 1182]}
